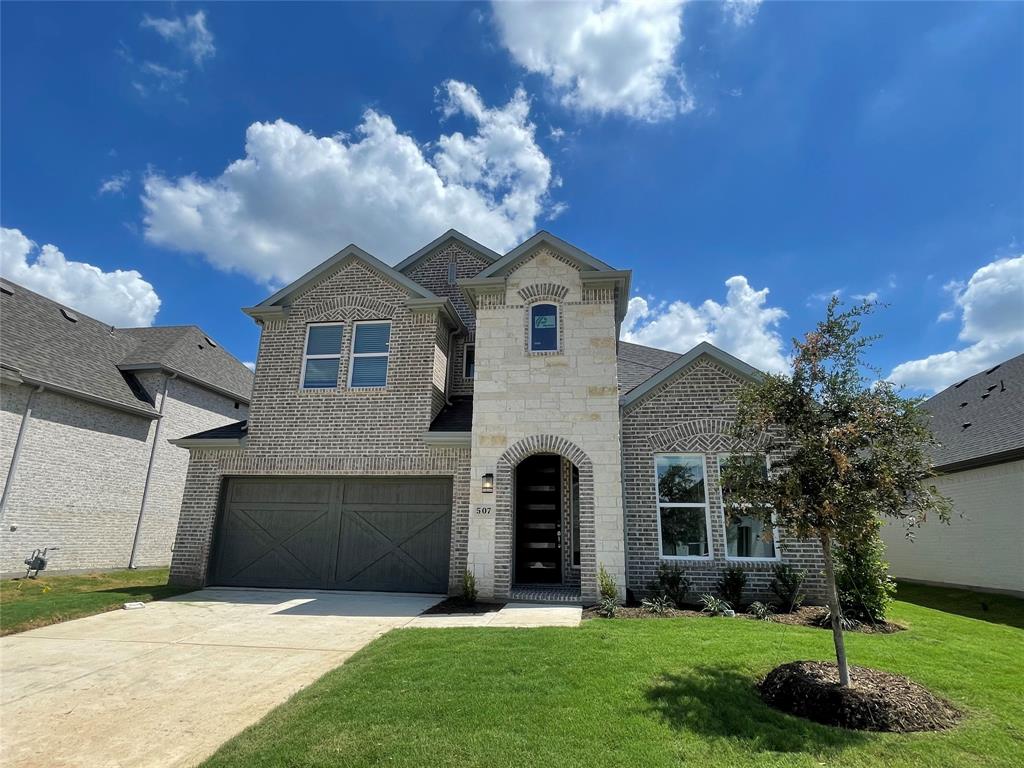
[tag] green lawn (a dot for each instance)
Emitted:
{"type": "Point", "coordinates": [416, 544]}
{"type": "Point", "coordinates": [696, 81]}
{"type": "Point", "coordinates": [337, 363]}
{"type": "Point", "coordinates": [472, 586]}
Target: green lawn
{"type": "Point", "coordinates": [29, 603]}
{"type": "Point", "coordinates": [671, 692]}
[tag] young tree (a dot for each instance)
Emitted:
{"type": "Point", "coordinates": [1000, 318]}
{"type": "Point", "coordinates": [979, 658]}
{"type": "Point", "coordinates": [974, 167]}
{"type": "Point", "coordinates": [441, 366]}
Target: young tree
{"type": "Point", "coordinates": [853, 449]}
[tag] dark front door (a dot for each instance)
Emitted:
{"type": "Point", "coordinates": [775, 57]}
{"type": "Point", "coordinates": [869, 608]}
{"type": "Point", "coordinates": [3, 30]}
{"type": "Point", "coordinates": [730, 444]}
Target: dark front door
{"type": "Point", "coordinates": [538, 520]}
{"type": "Point", "coordinates": [387, 534]}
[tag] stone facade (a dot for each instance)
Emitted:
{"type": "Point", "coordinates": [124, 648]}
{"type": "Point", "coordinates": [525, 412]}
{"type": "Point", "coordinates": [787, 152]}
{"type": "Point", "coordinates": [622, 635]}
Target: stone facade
{"type": "Point", "coordinates": [692, 413]}
{"type": "Point", "coordinates": [564, 402]}
{"type": "Point", "coordinates": [332, 432]}
{"type": "Point", "coordinates": [82, 468]}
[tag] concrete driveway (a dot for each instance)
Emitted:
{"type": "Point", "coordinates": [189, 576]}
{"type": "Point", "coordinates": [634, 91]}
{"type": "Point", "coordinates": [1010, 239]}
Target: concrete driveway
{"type": "Point", "coordinates": [167, 684]}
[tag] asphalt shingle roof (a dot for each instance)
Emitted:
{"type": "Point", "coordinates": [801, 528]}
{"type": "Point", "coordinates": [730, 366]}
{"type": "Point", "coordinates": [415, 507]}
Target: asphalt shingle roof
{"type": "Point", "coordinates": [637, 363]}
{"type": "Point", "coordinates": [980, 417]}
{"type": "Point", "coordinates": [456, 417]}
{"type": "Point", "coordinates": [234, 431]}
{"type": "Point", "coordinates": [40, 343]}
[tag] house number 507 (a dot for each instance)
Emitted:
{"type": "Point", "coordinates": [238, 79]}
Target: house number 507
{"type": "Point", "coordinates": [482, 510]}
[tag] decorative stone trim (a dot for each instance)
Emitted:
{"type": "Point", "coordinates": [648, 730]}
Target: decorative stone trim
{"type": "Point", "coordinates": [347, 307]}
{"type": "Point", "coordinates": [551, 292]}
{"type": "Point", "coordinates": [598, 295]}
{"type": "Point", "coordinates": [490, 300]}
{"type": "Point", "coordinates": [503, 511]}
{"type": "Point", "coordinates": [703, 436]}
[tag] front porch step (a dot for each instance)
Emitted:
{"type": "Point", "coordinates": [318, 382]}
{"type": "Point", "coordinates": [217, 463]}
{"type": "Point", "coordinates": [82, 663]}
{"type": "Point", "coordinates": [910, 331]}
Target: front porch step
{"type": "Point", "coordinates": [546, 593]}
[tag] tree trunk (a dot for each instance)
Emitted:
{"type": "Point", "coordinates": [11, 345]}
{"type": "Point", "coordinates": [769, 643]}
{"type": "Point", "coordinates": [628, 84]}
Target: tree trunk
{"type": "Point", "coordinates": [834, 611]}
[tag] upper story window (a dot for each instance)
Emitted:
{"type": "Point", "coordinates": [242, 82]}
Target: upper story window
{"type": "Point", "coordinates": [746, 535]}
{"type": "Point", "coordinates": [371, 345]}
{"type": "Point", "coordinates": [544, 328]}
{"type": "Point", "coordinates": [683, 515]}
{"type": "Point", "coordinates": [469, 362]}
{"type": "Point", "coordinates": [322, 356]}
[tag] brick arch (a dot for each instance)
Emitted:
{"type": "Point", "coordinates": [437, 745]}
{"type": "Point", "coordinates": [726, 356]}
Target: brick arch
{"type": "Point", "coordinates": [348, 307]}
{"type": "Point", "coordinates": [503, 512]}
{"type": "Point", "coordinates": [531, 294]}
{"type": "Point", "coordinates": [713, 435]}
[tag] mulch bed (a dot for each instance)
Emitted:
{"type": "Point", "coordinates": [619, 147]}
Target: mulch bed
{"type": "Point", "coordinates": [456, 605]}
{"type": "Point", "coordinates": [806, 616]}
{"type": "Point", "coordinates": [874, 701]}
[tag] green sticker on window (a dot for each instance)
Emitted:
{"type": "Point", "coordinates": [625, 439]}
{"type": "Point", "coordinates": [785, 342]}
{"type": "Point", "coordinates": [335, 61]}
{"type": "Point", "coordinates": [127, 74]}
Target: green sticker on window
{"type": "Point", "coordinates": [544, 321]}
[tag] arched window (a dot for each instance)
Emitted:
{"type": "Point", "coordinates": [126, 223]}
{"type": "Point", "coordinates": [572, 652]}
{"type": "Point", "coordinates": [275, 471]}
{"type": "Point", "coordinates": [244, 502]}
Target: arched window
{"type": "Point", "coordinates": [544, 328]}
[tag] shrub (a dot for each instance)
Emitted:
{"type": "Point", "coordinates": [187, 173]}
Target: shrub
{"type": "Point", "coordinates": [716, 606]}
{"type": "Point", "coordinates": [761, 611]}
{"type": "Point", "coordinates": [671, 584]}
{"type": "Point", "coordinates": [606, 586]}
{"type": "Point", "coordinates": [788, 586]}
{"type": "Point", "coordinates": [469, 586]}
{"type": "Point", "coordinates": [862, 580]}
{"type": "Point", "coordinates": [656, 605]}
{"type": "Point", "coordinates": [607, 607]}
{"type": "Point", "coordinates": [731, 585]}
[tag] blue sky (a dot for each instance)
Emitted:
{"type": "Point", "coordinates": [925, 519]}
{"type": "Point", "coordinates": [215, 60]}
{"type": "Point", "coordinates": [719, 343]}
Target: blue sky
{"type": "Point", "coordinates": [170, 163]}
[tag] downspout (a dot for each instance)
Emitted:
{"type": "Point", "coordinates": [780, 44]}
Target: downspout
{"type": "Point", "coordinates": [22, 430]}
{"type": "Point", "coordinates": [149, 470]}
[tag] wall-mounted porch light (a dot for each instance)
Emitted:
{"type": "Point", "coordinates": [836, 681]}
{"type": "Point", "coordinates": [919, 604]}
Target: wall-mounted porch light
{"type": "Point", "coordinates": [487, 486]}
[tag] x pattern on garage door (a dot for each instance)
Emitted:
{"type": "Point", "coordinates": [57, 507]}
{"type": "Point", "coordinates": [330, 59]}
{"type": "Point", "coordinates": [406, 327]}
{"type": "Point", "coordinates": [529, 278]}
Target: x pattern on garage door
{"type": "Point", "coordinates": [388, 534]}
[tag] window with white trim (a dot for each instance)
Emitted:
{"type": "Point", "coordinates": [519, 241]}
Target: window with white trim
{"type": "Point", "coordinates": [746, 535]}
{"type": "Point", "coordinates": [469, 361]}
{"type": "Point", "coordinates": [683, 517]}
{"type": "Point", "coordinates": [371, 346]}
{"type": "Point", "coordinates": [544, 328]}
{"type": "Point", "coordinates": [321, 357]}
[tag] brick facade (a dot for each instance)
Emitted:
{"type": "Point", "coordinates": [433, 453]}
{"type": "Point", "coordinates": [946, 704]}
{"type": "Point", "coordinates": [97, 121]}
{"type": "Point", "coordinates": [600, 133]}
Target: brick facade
{"type": "Point", "coordinates": [333, 432]}
{"type": "Point", "coordinates": [82, 469]}
{"type": "Point", "coordinates": [693, 413]}
{"type": "Point", "coordinates": [564, 402]}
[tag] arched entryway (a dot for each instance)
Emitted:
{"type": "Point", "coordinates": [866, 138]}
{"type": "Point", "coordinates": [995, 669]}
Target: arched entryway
{"type": "Point", "coordinates": [534, 475]}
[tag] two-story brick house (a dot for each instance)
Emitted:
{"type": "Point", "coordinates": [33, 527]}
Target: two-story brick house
{"type": "Point", "coordinates": [471, 410]}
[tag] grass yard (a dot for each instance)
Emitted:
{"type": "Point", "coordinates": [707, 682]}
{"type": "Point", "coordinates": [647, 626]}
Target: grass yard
{"type": "Point", "coordinates": [669, 692]}
{"type": "Point", "coordinates": [30, 603]}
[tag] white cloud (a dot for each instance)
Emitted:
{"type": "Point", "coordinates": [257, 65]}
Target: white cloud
{"type": "Point", "coordinates": [741, 12]}
{"type": "Point", "coordinates": [871, 296]}
{"type": "Point", "coordinates": [120, 297]}
{"type": "Point", "coordinates": [744, 326]}
{"type": "Point", "coordinates": [250, 365]}
{"type": "Point", "coordinates": [190, 34]}
{"type": "Point", "coordinates": [602, 56]}
{"type": "Point", "coordinates": [296, 198]}
{"type": "Point", "coordinates": [114, 185]}
{"type": "Point", "coordinates": [991, 305]}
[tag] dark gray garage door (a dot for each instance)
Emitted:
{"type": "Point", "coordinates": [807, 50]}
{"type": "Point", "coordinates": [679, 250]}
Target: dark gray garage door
{"type": "Point", "coordinates": [388, 534]}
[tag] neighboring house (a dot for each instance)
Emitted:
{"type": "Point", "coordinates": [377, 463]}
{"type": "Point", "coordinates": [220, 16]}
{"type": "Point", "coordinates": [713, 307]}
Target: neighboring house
{"type": "Point", "coordinates": [979, 424]}
{"type": "Point", "coordinates": [85, 414]}
{"type": "Point", "coordinates": [471, 410]}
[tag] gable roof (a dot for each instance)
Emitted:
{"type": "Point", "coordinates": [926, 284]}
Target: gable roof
{"type": "Point", "coordinates": [483, 251]}
{"type": "Point", "coordinates": [704, 349]}
{"type": "Point", "coordinates": [980, 420]}
{"type": "Point", "coordinates": [339, 260]}
{"type": "Point", "coordinates": [85, 358]}
{"type": "Point", "coordinates": [510, 260]}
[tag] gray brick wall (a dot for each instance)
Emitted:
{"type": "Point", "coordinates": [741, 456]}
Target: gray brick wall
{"type": "Point", "coordinates": [342, 431]}
{"type": "Point", "coordinates": [82, 470]}
{"type": "Point", "coordinates": [693, 414]}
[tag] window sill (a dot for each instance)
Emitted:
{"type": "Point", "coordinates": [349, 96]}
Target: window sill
{"type": "Point", "coordinates": [753, 560]}
{"type": "Point", "coordinates": [688, 558]}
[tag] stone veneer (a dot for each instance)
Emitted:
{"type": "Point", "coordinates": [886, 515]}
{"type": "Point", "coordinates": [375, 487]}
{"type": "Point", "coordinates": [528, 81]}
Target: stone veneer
{"type": "Point", "coordinates": [693, 413]}
{"type": "Point", "coordinates": [564, 402]}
